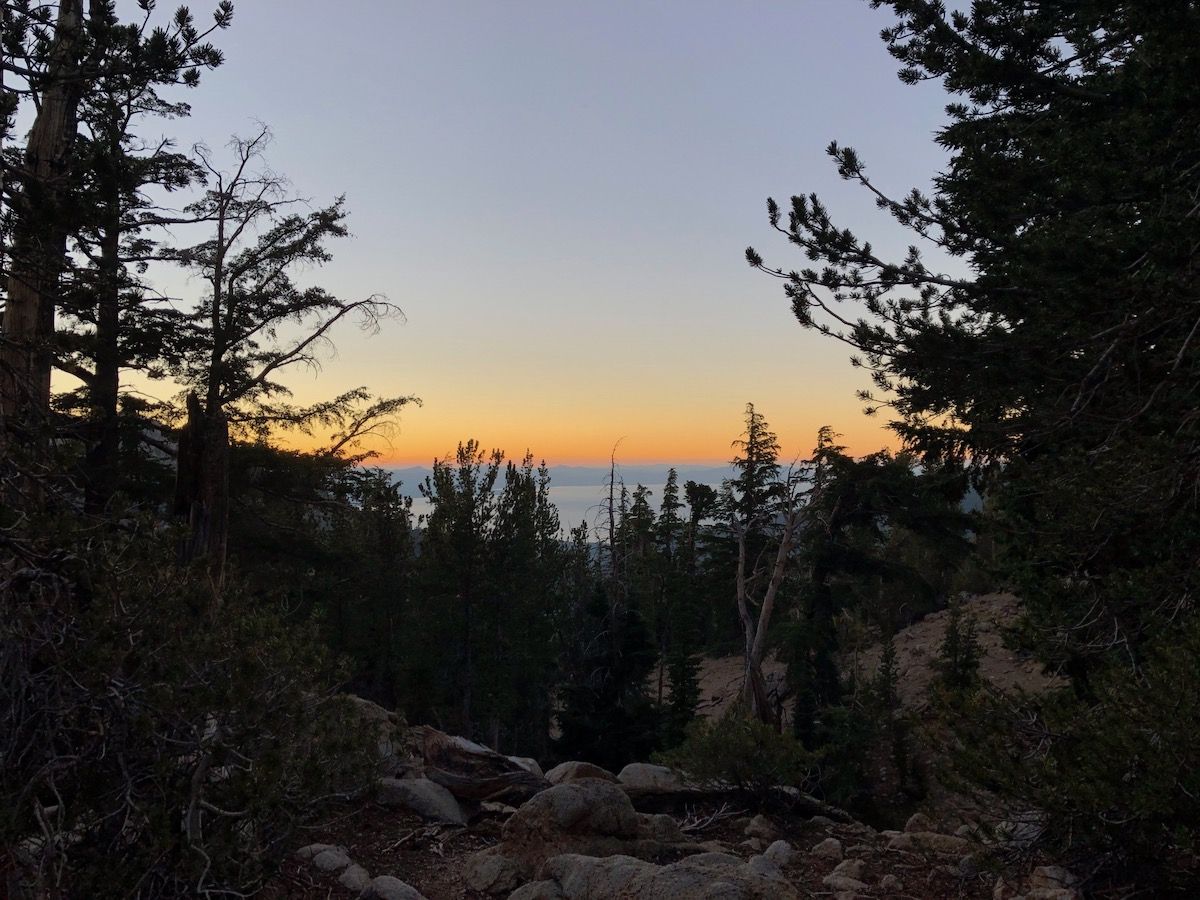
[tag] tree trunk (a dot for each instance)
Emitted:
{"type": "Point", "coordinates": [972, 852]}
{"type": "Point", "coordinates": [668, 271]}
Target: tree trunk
{"type": "Point", "coordinates": [202, 490]}
{"type": "Point", "coordinates": [39, 243]}
{"type": "Point", "coordinates": [754, 688]}
{"type": "Point", "coordinates": [101, 460]}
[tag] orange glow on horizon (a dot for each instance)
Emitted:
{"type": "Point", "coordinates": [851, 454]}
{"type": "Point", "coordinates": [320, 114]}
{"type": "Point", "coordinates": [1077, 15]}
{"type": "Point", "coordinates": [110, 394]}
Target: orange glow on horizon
{"type": "Point", "coordinates": [702, 444]}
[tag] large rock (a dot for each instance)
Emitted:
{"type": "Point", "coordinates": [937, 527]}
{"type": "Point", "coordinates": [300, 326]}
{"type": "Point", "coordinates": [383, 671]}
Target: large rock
{"type": "Point", "coordinates": [588, 817]}
{"type": "Point", "coordinates": [588, 808]}
{"type": "Point", "coordinates": [575, 770]}
{"type": "Point", "coordinates": [647, 777]}
{"type": "Point", "coordinates": [422, 796]}
{"type": "Point", "coordinates": [387, 728]}
{"type": "Point", "coordinates": [707, 876]}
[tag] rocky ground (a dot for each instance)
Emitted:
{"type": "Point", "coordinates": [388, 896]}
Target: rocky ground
{"type": "Point", "coordinates": [456, 820]}
{"type": "Point", "coordinates": [585, 840]}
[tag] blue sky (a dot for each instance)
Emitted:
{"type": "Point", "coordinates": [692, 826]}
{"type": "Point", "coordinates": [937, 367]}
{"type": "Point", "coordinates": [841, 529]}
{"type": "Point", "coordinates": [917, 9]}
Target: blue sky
{"type": "Point", "coordinates": [559, 195]}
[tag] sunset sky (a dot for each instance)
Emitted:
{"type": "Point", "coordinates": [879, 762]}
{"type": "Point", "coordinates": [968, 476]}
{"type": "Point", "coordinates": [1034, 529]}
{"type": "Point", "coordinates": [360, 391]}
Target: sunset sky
{"type": "Point", "coordinates": [558, 194]}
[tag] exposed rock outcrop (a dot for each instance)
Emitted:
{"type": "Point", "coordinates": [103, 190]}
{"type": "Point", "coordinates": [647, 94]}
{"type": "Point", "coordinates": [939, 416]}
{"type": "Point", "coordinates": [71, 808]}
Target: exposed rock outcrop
{"type": "Point", "coordinates": [588, 817]}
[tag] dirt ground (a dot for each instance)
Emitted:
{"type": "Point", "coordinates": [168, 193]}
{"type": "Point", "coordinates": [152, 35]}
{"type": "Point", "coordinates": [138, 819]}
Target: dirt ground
{"type": "Point", "coordinates": [916, 649]}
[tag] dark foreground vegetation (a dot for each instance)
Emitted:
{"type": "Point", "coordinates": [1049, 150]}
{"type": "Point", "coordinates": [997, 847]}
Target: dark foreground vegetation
{"type": "Point", "coordinates": [185, 603]}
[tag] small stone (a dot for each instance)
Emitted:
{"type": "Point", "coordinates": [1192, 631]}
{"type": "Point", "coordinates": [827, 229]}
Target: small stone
{"type": "Point", "coordinates": [752, 844]}
{"type": "Point", "coordinates": [490, 872]}
{"type": "Point", "coordinates": [968, 866]}
{"type": "Point", "coordinates": [851, 868]}
{"type": "Point", "coordinates": [780, 853]}
{"type": "Point", "coordinates": [492, 808]}
{"type": "Point", "coordinates": [1052, 878]}
{"type": "Point", "coordinates": [929, 842]}
{"type": "Point", "coordinates": [762, 827]}
{"type": "Point", "coordinates": [332, 860]}
{"type": "Point", "coordinates": [822, 820]}
{"type": "Point", "coordinates": [830, 848]}
{"type": "Point", "coordinates": [662, 827]}
{"type": "Point", "coordinates": [891, 884]}
{"type": "Point", "coordinates": [842, 883]}
{"type": "Point", "coordinates": [354, 877]}
{"type": "Point", "coordinates": [311, 850]}
{"type": "Point", "coordinates": [919, 822]}
{"type": "Point", "coordinates": [389, 887]}
{"type": "Point", "coordinates": [764, 868]}
{"type": "Point", "coordinates": [537, 890]}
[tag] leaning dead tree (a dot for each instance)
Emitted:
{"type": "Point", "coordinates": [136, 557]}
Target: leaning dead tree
{"type": "Point", "coordinates": [760, 574]}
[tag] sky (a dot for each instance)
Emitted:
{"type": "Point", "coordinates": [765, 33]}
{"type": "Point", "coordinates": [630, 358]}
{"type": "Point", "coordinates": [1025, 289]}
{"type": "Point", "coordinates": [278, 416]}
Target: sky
{"type": "Point", "coordinates": [559, 194]}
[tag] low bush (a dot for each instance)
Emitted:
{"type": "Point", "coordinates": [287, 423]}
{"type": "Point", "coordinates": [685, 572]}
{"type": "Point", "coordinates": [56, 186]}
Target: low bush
{"type": "Point", "coordinates": [741, 751]}
{"type": "Point", "coordinates": [153, 744]}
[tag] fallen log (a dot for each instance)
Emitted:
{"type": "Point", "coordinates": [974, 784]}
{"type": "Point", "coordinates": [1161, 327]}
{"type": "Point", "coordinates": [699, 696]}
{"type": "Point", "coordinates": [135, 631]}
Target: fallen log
{"type": "Point", "coordinates": [471, 771]}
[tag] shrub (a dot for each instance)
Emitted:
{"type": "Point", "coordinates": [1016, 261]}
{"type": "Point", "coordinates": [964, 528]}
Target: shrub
{"type": "Point", "coordinates": [958, 656]}
{"type": "Point", "coordinates": [152, 745]}
{"type": "Point", "coordinates": [1115, 777]}
{"type": "Point", "coordinates": [741, 751]}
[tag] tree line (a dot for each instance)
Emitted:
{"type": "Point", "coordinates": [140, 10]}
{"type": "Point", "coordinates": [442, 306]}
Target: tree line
{"type": "Point", "coordinates": [185, 600]}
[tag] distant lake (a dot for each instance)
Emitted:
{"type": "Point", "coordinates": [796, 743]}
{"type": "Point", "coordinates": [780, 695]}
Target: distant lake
{"type": "Point", "coordinates": [576, 503]}
{"type": "Point", "coordinates": [579, 492]}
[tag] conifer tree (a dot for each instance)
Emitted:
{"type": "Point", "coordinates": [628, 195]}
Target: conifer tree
{"type": "Point", "coordinates": [236, 350]}
{"type": "Point", "coordinates": [1056, 354]}
{"type": "Point", "coordinates": [455, 544]}
{"type": "Point", "coordinates": [64, 53]}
